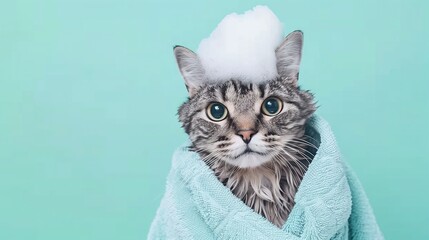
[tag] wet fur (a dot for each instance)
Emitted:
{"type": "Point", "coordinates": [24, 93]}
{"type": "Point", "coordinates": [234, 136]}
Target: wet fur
{"type": "Point", "coordinates": [267, 177]}
{"type": "Point", "coordinates": [270, 188]}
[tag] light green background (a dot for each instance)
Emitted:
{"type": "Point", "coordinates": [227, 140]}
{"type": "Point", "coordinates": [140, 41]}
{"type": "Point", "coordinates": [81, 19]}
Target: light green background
{"type": "Point", "coordinates": [89, 92]}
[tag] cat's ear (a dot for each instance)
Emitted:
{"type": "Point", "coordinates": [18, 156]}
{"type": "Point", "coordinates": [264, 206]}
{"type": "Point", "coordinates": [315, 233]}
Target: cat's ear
{"type": "Point", "coordinates": [288, 56]}
{"type": "Point", "coordinates": [190, 67]}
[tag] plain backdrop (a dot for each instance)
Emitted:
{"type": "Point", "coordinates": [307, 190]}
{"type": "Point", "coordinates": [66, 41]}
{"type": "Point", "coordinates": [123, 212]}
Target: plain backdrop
{"type": "Point", "coordinates": [89, 91]}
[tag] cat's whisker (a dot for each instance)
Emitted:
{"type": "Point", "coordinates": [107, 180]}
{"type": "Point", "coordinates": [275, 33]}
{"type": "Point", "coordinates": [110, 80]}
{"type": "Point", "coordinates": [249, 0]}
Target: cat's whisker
{"type": "Point", "coordinates": [311, 137]}
{"type": "Point", "coordinates": [302, 154]}
{"type": "Point", "coordinates": [302, 151]}
{"type": "Point", "coordinates": [300, 165]}
{"type": "Point", "coordinates": [284, 161]}
{"type": "Point", "coordinates": [302, 142]}
{"type": "Point", "coordinates": [209, 159]}
{"type": "Point", "coordinates": [304, 138]}
{"type": "Point", "coordinates": [305, 141]}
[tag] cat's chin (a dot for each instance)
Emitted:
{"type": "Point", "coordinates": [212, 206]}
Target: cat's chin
{"type": "Point", "coordinates": [250, 160]}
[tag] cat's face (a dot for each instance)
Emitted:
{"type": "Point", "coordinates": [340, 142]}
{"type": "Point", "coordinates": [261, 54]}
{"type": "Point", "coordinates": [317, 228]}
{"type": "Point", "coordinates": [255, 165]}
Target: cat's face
{"type": "Point", "coordinates": [245, 125]}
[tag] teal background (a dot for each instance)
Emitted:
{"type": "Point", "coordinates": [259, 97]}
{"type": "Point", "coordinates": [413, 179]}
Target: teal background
{"type": "Point", "coordinates": [89, 92]}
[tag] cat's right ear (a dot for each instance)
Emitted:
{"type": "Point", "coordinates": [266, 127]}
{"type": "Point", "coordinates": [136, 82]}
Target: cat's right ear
{"type": "Point", "coordinates": [190, 67]}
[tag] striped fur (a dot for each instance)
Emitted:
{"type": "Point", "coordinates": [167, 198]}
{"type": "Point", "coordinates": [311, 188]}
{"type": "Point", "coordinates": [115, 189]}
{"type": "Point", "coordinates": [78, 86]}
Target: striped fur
{"type": "Point", "coordinates": [269, 183]}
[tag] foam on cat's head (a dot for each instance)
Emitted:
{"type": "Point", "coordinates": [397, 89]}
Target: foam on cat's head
{"type": "Point", "coordinates": [243, 47]}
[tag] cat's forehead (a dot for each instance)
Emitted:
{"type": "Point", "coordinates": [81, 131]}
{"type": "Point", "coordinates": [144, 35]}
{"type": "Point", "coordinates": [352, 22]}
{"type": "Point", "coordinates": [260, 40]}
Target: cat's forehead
{"type": "Point", "coordinates": [243, 102]}
{"type": "Point", "coordinates": [242, 95]}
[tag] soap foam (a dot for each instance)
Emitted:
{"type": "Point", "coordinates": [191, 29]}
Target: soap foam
{"type": "Point", "coordinates": [243, 47]}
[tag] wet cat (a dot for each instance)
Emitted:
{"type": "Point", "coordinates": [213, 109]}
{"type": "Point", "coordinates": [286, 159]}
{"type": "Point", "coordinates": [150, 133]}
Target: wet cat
{"type": "Point", "coordinates": [252, 135]}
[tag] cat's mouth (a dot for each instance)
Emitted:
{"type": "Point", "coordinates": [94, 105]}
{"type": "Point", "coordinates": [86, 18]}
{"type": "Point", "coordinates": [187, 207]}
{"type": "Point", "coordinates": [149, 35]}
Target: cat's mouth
{"type": "Point", "coordinates": [248, 150]}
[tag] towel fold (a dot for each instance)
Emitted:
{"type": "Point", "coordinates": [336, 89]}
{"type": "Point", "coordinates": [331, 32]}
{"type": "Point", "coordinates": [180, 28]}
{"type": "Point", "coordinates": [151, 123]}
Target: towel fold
{"type": "Point", "coordinates": [330, 202]}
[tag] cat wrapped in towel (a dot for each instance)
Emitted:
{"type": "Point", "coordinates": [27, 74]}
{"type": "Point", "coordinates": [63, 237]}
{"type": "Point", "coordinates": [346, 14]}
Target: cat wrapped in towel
{"type": "Point", "coordinates": [259, 163]}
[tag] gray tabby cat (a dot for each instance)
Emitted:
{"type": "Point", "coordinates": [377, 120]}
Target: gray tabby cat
{"type": "Point", "coordinates": [252, 135]}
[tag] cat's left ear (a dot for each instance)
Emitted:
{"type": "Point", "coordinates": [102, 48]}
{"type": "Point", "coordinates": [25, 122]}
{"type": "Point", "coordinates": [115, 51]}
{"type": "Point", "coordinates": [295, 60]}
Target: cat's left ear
{"type": "Point", "coordinates": [288, 56]}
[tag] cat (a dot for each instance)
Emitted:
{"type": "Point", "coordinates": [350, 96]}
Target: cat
{"type": "Point", "coordinates": [252, 135]}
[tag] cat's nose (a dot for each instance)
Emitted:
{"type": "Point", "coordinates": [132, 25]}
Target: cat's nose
{"type": "Point", "coordinates": [246, 135]}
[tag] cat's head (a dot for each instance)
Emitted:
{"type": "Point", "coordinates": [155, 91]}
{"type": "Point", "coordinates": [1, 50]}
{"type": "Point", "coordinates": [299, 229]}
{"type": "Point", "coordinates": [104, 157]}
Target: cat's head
{"type": "Point", "coordinates": [245, 124]}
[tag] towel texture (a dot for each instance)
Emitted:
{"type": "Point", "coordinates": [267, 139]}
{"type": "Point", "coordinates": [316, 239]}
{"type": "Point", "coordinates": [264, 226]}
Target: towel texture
{"type": "Point", "coordinates": [330, 202]}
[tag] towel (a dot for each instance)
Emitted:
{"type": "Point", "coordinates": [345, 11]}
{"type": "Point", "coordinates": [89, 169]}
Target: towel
{"type": "Point", "coordinates": [330, 202]}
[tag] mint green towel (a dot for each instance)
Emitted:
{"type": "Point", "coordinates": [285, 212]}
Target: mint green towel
{"type": "Point", "coordinates": [330, 202]}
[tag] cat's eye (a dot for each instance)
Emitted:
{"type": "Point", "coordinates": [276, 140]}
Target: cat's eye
{"type": "Point", "coordinates": [216, 111]}
{"type": "Point", "coordinates": [272, 106]}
